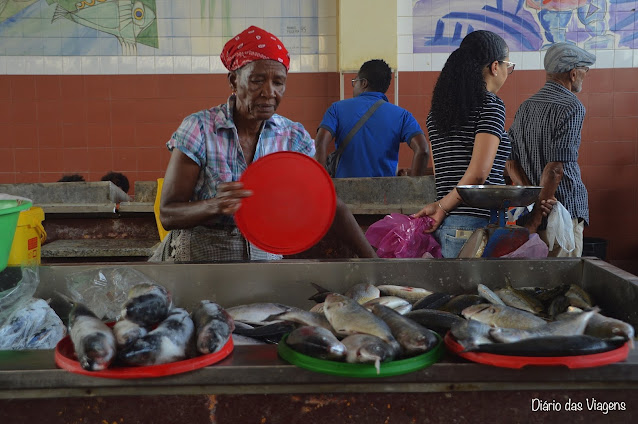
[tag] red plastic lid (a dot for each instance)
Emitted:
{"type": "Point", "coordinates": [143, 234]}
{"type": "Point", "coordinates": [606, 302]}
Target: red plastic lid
{"type": "Point", "coordinates": [506, 361]}
{"type": "Point", "coordinates": [292, 206]}
{"type": "Point", "coordinates": [65, 358]}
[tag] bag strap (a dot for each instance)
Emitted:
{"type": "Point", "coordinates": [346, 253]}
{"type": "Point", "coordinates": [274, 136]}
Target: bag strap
{"type": "Point", "coordinates": [358, 126]}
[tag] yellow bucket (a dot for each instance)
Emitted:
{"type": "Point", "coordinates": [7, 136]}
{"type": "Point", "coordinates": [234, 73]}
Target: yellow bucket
{"type": "Point", "coordinates": [156, 208]}
{"type": "Point", "coordinates": [28, 238]}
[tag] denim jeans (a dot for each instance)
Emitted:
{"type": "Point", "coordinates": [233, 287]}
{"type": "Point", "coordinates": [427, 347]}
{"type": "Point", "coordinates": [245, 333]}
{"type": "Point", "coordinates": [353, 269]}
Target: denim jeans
{"type": "Point", "coordinates": [446, 233]}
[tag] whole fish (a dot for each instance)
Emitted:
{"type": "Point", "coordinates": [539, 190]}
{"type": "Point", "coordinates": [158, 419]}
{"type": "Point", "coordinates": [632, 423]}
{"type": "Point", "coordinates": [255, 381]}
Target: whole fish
{"type": "Point", "coordinates": [545, 294]}
{"type": "Point", "coordinates": [316, 342]}
{"type": "Point", "coordinates": [413, 338]}
{"type": "Point", "coordinates": [573, 325]}
{"type": "Point", "coordinates": [256, 313]}
{"type": "Point", "coordinates": [487, 294]}
{"type": "Point", "coordinates": [551, 346]}
{"type": "Point", "coordinates": [305, 318]}
{"type": "Point", "coordinates": [503, 316]}
{"type": "Point", "coordinates": [348, 317]}
{"type": "Point", "coordinates": [460, 302]}
{"type": "Point", "coordinates": [520, 300]}
{"type": "Point", "coordinates": [435, 320]}
{"type": "Point", "coordinates": [433, 301]}
{"type": "Point", "coordinates": [411, 294]}
{"type": "Point", "coordinates": [93, 340]}
{"type": "Point", "coordinates": [127, 331]}
{"type": "Point", "coordinates": [471, 333]}
{"type": "Point", "coordinates": [147, 304]}
{"type": "Point", "coordinates": [213, 326]}
{"type": "Point", "coordinates": [166, 343]}
{"type": "Point", "coordinates": [400, 305]}
{"type": "Point", "coordinates": [367, 349]}
{"type": "Point", "coordinates": [363, 292]}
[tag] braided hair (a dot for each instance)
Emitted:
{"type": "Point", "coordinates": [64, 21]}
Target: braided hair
{"type": "Point", "coordinates": [461, 88]}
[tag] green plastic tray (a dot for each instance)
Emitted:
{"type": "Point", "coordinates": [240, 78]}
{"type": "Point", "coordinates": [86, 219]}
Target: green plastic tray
{"type": "Point", "coordinates": [387, 369]}
{"type": "Point", "coordinates": [9, 214]}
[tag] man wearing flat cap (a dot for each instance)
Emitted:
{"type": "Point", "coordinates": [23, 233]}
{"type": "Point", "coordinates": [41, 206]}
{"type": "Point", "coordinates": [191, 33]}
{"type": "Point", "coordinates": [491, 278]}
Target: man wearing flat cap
{"type": "Point", "coordinates": [545, 137]}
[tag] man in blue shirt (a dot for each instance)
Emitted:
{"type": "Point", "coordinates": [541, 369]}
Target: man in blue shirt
{"type": "Point", "coordinates": [374, 150]}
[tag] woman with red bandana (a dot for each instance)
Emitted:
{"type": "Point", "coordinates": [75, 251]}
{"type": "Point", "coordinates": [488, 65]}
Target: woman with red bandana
{"type": "Point", "coordinates": [212, 148]}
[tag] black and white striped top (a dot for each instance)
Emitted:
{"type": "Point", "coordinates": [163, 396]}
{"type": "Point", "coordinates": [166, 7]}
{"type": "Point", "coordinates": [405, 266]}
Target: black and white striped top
{"type": "Point", "coordinates": [452, 154]}
{"type": "Point", "coordinates": [547, 128]}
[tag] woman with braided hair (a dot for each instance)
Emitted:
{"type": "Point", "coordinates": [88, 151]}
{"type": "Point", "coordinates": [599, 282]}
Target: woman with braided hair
{"type": "Point", "coordinates": [466, 127]}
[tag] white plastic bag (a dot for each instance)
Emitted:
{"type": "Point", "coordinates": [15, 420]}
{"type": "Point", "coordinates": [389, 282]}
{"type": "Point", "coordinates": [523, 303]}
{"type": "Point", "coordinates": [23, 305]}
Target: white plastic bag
{"type": "Point", "coordinates": [560, 228]}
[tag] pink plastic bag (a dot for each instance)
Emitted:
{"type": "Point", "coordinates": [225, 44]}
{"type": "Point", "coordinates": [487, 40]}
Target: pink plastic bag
{"type": "Point", "coordinates": [531, 249]}
{"type": "Point", "coordinates": [402, 236]}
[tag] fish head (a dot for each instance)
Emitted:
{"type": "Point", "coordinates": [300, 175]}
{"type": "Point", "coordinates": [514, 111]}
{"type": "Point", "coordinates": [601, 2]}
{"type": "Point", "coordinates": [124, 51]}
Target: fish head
{"type": "Point", "coordinates": [98, 353]}
{"type": "Point", "coordinates": [143, 15]}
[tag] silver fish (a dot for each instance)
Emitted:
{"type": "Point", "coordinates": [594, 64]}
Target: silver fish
{"type": "Point", "coordinates": [411, 294]}
{"type": "Point", "coordinates": [413, 338]}
{"type": "Point", "coordinates": [471, 333]}
{"type": "Point", "coordinates": [93, 340]}
{"type": "Point", "coordinates": [367, 349]}
{"type": "Point", "coordinates": [317, 342]}
{"type": "Point", "coordinates": [256, 313]}
{"type": "Point", "coordinates": [503, 316]}
{"type": "Point", "coordinates": [363, 292]}
{"type": "Point", "coordinates": [127, 331]}
{"type": "Point", "coordinates": [147, 304]}
{"type": "Point", "coordinates": [487, 294]}
{"type": "Point", "coordinates": [348, 317]}
{"type": "Point", "coordinates": [393, 302]}
{"type": "Point", "coordinates": [213, 326]}
{"type": "Point", "coordinates": [305, 318]}
{"type": "Point", "coordinates": [520, 300]}
{"type": "Point", "coordinates": [166, 343]}
{"type": "Point", "coordinates": [571, 326]}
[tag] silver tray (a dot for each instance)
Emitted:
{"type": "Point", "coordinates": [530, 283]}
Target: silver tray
{"type": "Point", "coordinates": [498, 196]}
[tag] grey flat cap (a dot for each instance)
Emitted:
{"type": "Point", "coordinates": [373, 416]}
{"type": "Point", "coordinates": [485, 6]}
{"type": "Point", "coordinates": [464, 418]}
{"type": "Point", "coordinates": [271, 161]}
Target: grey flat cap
{"type": "Point", "coordinates": [563, 57]}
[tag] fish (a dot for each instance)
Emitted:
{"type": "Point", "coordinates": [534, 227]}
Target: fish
{"type": "Point", "coordinates": [166, 343]}
{"type": "Point", "coordinates": [503, 316]}
{"type": "Point", "coordinates": [348, 317]}
{"type": "Point", "coordinates": [318, 308]}
{"type": "Point", "coordinates": [93, 340]}
{"type": "Point", "coordinates": [147, 304]}
{"type": "Point", "coordinates": [411, 294]}
{"type": "Point", "coordinates": [127, 331]}
{"type": "Point", "coordinates": [573, 325]}
{"type": "Point", "coordinates": [269, 333]}
{"type": "Point", "coordinates": [305, 318]}
{"type": "Point", "coordinates": [213, 327]}
{"type": "Point", "coordinates": [367, 349]}
{"type": "Point", "coordinates": [606, 327]}
{"type": "Point", "coordinates": [487, 294]}
{"type": "Point", "coordinates": [256, 313]}
{"type": "Point", "coordinates": [413, 338]}
{"type": "Point", "coordinates": [435, 320]}
{"type": "Point", "coordinates": [393, 302]}
{"type": "Point", "coordinates": [123, 19]}
{"type": "Point", "coordinates": [460, 302]}
{"type": "Point", "coordinates": [321, 294]}
{"type": "Point", "coordinates": [551, 346]}
{"type": "Point", "coordinates": [471, 333]}
{"type": "Point", "coordinates": [363, 292]}
{"type": "Point", "coordinates": [578, 297]}
{"type": "Point", "coordinates": [433, 301]}
{"type": "Point", "coordinates": [545, 294]}
{"type": "Point", "coordinates": [317, 342]}
{"type": "Point", "coordinates": [239, 340]}
{"type": "Point", "coordinates": [558, 305]}
{"type": "Point", "coordinates": [519, 299]}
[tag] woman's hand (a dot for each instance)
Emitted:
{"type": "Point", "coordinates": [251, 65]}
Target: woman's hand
{"type": "Point", "coordinates": [433, 211]}
{"type": "Point", "coordinates": [229, 197]}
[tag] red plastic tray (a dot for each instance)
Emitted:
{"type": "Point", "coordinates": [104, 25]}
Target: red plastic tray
{"type": "Point", "coordinates": [65, 358]}
{"type": "Point", "coordinates": [292, 206]}
{"type": "Point", "coordinates": [506, 361]}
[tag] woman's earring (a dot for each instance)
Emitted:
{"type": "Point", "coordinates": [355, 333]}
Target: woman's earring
{"type": "Point", "coordinates": [495, 74]}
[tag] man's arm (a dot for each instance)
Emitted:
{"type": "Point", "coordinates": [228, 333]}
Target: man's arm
{"type": "Point", "coordinates": [419, 146]}
{"type": "Point", "coordinates": [323, 139]}
{"type": "Point", "coordinates": [550, 178]}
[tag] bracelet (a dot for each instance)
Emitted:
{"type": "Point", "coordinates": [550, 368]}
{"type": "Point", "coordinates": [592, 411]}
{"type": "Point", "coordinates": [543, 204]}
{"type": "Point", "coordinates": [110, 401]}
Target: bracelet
{"type": "Point", "coordinates": [443, 209]}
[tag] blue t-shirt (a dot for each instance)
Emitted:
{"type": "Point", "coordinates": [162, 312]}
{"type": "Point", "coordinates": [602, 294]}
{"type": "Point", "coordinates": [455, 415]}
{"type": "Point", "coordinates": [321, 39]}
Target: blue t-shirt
{"type": "Point", "coordinates": [374, 150]}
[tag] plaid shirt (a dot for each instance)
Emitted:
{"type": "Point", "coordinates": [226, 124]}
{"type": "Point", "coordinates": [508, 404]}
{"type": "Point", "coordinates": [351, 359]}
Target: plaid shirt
{"type": "Point", "coordinates": [546, 129]}
{"type": "Point", "coordinates": [210, 139]}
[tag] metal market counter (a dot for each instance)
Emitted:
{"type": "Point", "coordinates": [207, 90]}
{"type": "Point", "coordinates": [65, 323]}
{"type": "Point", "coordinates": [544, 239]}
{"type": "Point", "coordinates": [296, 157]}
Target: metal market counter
{"type": "Point", "coordinates": [254, 385]}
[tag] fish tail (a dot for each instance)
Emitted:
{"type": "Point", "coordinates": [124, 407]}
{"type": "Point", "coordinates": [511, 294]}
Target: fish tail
{"type": "Point", "coordinates": [59, 13]}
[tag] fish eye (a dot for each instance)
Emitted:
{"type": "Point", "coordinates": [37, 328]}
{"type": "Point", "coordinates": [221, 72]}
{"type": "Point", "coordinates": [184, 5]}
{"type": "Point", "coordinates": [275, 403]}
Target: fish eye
{"type": "Point", "coordinates": [138, 14]}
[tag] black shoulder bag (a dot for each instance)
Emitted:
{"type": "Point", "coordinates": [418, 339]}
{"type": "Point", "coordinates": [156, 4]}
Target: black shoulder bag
{"type": "Point", "coordinates": [332, 161]}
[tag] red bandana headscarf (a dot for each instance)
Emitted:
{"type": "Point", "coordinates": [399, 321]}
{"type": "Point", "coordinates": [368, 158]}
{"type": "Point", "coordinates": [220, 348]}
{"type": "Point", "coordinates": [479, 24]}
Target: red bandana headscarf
{"type": "Point", "coordinates": [253, 44]}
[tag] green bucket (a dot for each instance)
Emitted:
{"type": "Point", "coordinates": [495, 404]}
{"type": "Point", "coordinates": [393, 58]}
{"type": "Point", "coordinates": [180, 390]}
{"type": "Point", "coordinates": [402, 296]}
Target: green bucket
{"type": "Point", "coordinates": [9, 213]}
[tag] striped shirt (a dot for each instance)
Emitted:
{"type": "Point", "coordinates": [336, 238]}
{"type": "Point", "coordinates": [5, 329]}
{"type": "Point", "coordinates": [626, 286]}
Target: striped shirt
{"type": "Point", "coordinates": [546, 129]}
{"type": "Point", "coordinates": [452, 154]}
{"type": "Point", "coordinates": [210, 139]}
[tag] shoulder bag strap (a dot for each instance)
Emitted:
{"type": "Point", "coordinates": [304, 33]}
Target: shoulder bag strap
{"type": "Point", "coordinates": [358, 126]}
